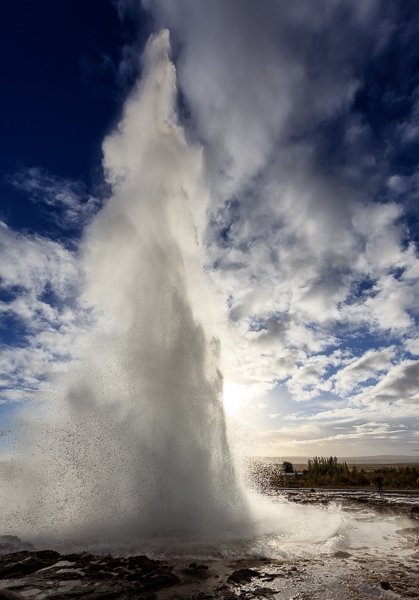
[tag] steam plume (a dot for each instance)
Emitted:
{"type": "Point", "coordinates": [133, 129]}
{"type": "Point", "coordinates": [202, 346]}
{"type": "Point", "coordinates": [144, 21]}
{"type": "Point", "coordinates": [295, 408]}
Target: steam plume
{"type": "Point", "coordinates": [136, 444]}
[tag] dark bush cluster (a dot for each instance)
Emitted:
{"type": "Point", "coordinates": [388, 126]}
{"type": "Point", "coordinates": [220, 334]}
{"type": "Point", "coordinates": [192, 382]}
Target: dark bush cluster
{"type": "Point", "coordinates": [329, 472]}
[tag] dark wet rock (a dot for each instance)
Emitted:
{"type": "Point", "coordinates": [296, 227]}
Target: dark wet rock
{"type": "Point", "coordinates": [263, 591]}
{"type": "Point", "coordinates": [25, 562]}
{"type": "Point", "coordinates": [198, 567]}
{"type": "Point", "coordinates": [197, 571]}
{"type": "Point", "coordinates": [9, 595]}
{"type": "Point", "coordinates": [89, 595]}
{"type": "Point", "coordinates": [226, 593]}
{"type": "Point", "coordinates": [90, 577]}
{"type": "Point", "coordinates": [341, 554]}
{"type": "Point", "coordinates": [269, 577]}
{"type": "Point", "coordinates": [351, 499]}
{"type": "Point", "coordinates": [57, 577]}
{"type": "Point", "coordinates": [414, 531]}
{"type": "Point", "coordinates": [385, 585]}
{"type": "Point", "coordinates": [243, 576]}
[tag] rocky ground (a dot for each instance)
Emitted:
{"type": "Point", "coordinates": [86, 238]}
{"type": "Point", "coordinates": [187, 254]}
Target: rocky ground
{"type": "Point", "coordinates": [359, 573]}
{"type": "Point", "coordinates": [399, 502]}
{"type": "Point", "coordinates": [46, 574]}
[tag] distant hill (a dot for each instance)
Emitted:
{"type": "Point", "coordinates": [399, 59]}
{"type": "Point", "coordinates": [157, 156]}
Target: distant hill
{"type": "Point", "coordinates": [382, 459]}
{"type": "Point", "coordinates": [378, 459]}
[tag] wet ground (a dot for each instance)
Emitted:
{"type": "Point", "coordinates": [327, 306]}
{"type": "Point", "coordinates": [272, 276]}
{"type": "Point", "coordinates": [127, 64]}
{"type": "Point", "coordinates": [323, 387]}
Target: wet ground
{"type": "Point", "coordinates": [401, 502]}
{"type": "Point", "coordinates": [373, 552]}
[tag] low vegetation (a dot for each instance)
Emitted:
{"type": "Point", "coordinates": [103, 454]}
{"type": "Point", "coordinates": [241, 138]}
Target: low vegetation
{"type": "Point", "coordinates": [329, 472]}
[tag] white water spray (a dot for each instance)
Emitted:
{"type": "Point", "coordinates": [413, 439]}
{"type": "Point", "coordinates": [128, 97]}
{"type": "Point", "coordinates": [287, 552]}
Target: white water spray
{"type": "Point", "coordinates": [136, 445]}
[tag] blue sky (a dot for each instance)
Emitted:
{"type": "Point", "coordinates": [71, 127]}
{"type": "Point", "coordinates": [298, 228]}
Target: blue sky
{"type": "Point", "coordinates": [308, 117]}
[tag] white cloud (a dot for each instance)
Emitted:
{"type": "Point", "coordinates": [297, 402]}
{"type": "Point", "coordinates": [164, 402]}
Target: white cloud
{"type": "Point", "coordinates": [31, 262]}
{"type": "Point", "coordinates": [338, 437]}
{"type": "Point", "coordinates": [412, 345]}
{"type": "Point", "coordinates": [39, 281]}
{"type": "Point", "coordinates": [361, 369]}
{"type": "Point", "coordinates": [73, 206]}
{"type": "Point", "coordinates": [400, 384]}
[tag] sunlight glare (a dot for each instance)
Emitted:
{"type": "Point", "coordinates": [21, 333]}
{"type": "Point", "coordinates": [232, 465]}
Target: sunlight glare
{"type": "Point", "coordinates": [234, 396]}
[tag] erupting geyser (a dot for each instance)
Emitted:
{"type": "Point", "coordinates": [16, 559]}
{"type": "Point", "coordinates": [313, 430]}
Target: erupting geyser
{"type": "Point", "coordinates": [133, 443]}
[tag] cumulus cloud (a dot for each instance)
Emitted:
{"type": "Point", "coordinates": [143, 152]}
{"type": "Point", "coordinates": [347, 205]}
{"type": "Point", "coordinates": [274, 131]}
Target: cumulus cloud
{"type": "Point", "coordinates": [32, 262]}
{"type": "Point", "coordinates": [400, 384]}
{"type": "Point", "coordinates": [361, 369]}
{"type": "Point", "coordinates": [38, 286]}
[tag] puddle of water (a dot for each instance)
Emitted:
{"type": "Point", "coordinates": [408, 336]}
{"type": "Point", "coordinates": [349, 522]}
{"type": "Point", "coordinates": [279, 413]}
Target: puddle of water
{"type": "Point", "coordinates": [369, 591]}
